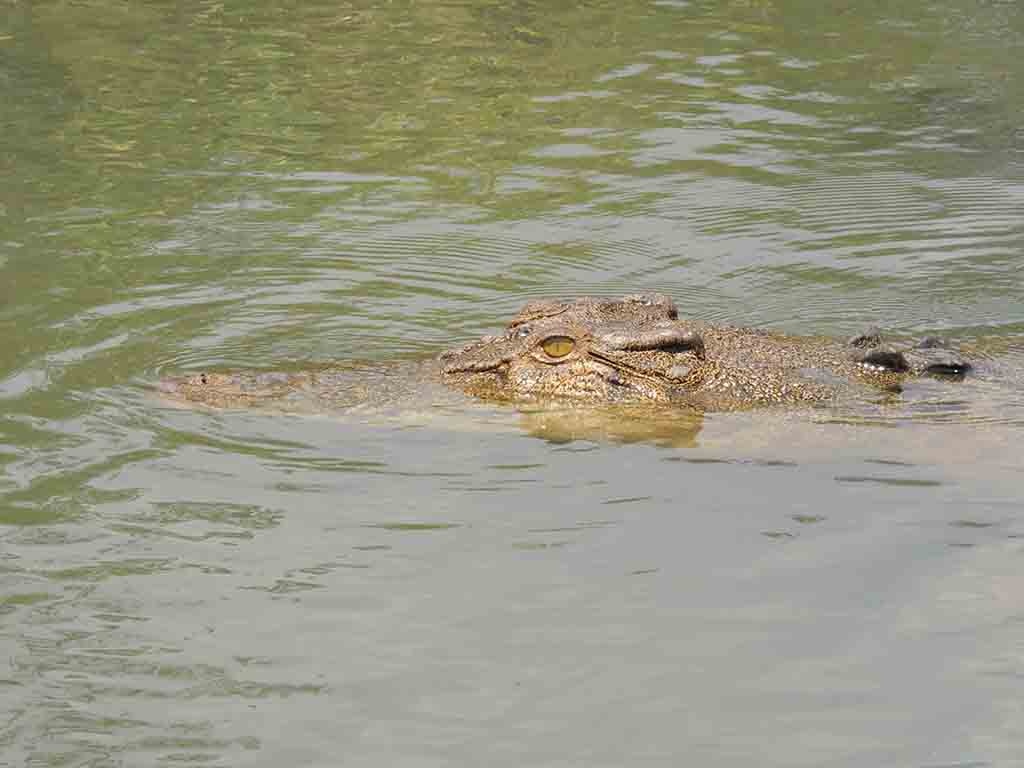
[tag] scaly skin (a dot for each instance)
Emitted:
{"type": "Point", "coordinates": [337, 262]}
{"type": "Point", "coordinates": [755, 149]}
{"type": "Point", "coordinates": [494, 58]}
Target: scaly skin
{"type": "Point", "coordinates": [634, 349]}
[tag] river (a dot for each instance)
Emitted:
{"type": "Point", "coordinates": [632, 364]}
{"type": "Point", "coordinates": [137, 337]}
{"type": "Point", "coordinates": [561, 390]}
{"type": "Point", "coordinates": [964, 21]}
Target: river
{"type": "Point", "coordinates": [221, 185]}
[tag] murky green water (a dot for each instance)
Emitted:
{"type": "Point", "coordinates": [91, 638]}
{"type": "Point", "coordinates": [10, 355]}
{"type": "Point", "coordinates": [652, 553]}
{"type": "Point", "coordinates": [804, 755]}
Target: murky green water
{"type": "Point", "coordinates": [223, 184]}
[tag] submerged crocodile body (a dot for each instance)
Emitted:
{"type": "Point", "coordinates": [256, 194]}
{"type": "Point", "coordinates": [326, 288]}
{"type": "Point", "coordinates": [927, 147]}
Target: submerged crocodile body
{"type": "Point", "coordinates": [630, 350]}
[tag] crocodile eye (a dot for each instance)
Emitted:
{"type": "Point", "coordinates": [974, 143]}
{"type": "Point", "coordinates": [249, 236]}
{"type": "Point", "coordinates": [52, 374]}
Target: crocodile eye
{"type": "Point", "coordinates": [558, 346]}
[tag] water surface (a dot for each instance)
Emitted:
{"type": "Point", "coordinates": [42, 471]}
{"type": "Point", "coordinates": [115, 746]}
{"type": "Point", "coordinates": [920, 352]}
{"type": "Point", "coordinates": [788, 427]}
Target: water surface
{"type": "Point", "coordinates": [224, 185]}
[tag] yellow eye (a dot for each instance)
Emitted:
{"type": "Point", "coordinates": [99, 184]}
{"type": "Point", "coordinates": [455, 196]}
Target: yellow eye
{"type": "Point", "coordinates": [558, 346]}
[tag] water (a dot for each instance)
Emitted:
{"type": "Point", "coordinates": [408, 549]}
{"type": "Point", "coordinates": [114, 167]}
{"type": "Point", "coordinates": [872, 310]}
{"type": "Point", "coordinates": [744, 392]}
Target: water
{"type": "Point", "coordinates": [224, 185]}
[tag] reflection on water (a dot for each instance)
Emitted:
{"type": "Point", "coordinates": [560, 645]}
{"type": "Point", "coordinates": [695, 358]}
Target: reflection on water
{"type": "Point", "coordinates": [661, 426]}
{"type": "Point", "coordinates": [215, 186]}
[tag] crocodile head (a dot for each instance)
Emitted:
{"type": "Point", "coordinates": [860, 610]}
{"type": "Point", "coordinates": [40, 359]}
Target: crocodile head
{"type": "Point", "coordinates": [624, 350]}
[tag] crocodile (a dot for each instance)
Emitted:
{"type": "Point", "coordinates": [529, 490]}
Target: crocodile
{"type": "Point", "coordinates": [635, 349]}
